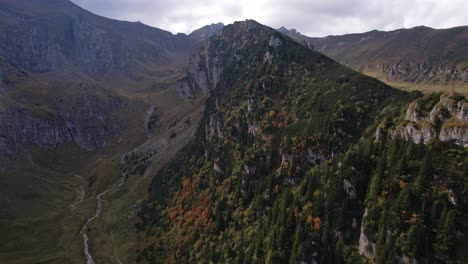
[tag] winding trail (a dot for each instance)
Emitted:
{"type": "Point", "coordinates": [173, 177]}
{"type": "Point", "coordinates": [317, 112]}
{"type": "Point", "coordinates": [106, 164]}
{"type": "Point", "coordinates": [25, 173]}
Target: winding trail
{"type": "Point", "coordinates": [81, 193]}
{"type": "Point", "coordinates": [116, 256]}
{"type": "Point", "coordinates": [82, 196]}
{"type": "Point", "coordinates": [99, 202]}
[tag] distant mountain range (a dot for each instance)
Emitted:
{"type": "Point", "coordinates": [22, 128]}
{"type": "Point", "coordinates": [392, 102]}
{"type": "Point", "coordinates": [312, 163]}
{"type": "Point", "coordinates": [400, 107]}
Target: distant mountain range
{"type": "Point", "coordinates": [416, 55]}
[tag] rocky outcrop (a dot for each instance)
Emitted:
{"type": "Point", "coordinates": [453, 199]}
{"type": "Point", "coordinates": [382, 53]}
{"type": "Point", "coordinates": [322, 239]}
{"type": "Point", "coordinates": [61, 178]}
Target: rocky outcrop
{"type": "Point", "coordinates": [186, 88]}
{"type": "Point", "coordinates": [88, 119]}
{"type": "Point", "coordinates": [422, 132]}
{"type": "Point", "coordinates": [412, 113]}
{"type": "Point", "coordinates": [423, 71]}
{"type": "Point", "coordinates": [84, 119]}
{"type": "Point", "coordinates": [314, 156]}
{"type": "Point", "coordinates": [302, 39]}
{"type": "Point", "coordinates": [447, 121]}
{"type": "Point", "coordinates": [379, 134]}
{"type": "Point", "coordinates": [204, 69]}
{"type": "Point", "coordinates": [366, 247]}
{"type": "Point", "coordinates": [209, 60]}
{"type": "Point", "coordinates": [217, 168]}
{"type": "Point", "coordinates": [22, 127]}
{"type": "Point", "coordinates": [349, 189]}
{"type": "Point", "coordinates": [206, 32]}
{"type": "Point", "coordinates": [202, 73]}
{"type": "Point", "coordinates": [456, 109]}
{"type": "Point", "coordinates": [213, 127]}
{"type": "Point", "coordinates": [457, 134]}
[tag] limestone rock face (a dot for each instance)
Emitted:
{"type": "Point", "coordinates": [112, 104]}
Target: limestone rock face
{"type": "Point", "coordinates": [349, 188]}
{"type": "Point", "coordinates": [366, 247]}
{"type": "Point", "coordinates": [458, 134]}
{"type": "Point", "coordinates": [84, 119]}
{"type": "Point", "coordinates": [217, 168]}
{"type": "Point", "coordinates": [379, 134]}
{"type": "Point", "coordinates": [206, 32]}
{"type": "Point", "coordinates": [205, 69]}
{"type": "Point", "coordinates": [418, 71]}
{"type": "Point", "coordinates": [213, 127]}
{"type": "Point", "coordinates": [207, 63]}
{"type": "Point", "coordinates": [410, 132]}
{"type": "Point", "coordinates": [411, 113]}
{"type": "Point", "coordinates": [458, 109]}
{"type": "Point", "coordinates": [202, 73]}
{"type": "Point", "coordinates": [21, 127]}
{"type": "Point", "coordinates": [61, 37]}
{"type": "Point", "coordinates": [88, 119]}
{"type": "Point", "coordinates": [447, 121]}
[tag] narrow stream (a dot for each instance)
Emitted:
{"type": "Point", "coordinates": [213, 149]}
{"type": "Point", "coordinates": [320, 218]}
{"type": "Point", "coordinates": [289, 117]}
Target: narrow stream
{"type": "Point", "coordinates": [99, 202]}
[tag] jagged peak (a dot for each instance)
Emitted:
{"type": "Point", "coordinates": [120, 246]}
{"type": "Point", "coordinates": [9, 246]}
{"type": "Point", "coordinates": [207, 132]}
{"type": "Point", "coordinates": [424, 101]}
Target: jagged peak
{"type": "Point", "coordinates": [206, 31]}
{"type": "Point", "coordinates": [247, 24]}
{"type": "Point", "coordinates": [283, 29]}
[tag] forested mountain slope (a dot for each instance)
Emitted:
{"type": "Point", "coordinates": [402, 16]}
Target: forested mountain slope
{"type": "Point", "coordinates": [287, 167]}
{"type": "Point", "coordinates": [121, 142]}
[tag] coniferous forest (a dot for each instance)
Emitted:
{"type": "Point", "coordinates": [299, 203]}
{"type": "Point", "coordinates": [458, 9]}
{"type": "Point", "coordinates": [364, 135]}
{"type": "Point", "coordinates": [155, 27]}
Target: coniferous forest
{"type": "Point", "coordinates": [285, 168]}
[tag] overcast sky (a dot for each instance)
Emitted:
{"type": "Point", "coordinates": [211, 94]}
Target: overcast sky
{"type": "Point", "coordinates": [310, 17]}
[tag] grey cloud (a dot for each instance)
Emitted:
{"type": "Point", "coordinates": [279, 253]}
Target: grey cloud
{"type": "Point", "coordinates": [312, 17]}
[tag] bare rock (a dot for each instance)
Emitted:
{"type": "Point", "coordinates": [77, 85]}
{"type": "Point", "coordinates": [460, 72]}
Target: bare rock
{"type": "Point", "coordinates": [366, 247]}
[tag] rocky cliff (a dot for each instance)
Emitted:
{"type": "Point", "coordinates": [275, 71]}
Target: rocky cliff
{"type": "Point", "coordinates": [58, 36]}
{"type": "Point", "coordinates": [426, 119]}
{"type": "Point", "coordinates": [206, 64]}
{"type": "Point", "coordinates": [417, 72]}
{"type": "Point", "coordinates": [85, 119]}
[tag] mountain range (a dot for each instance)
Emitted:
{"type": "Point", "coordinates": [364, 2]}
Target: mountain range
{"type": "Point", "coordinates": [120, 142]}
{"type": "Point", "coordinates": [418, 58]}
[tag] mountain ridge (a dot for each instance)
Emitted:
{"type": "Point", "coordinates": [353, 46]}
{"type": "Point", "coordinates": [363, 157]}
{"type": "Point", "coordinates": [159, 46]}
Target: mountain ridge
{"type": "Point", "coordinates": [419, 55]}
